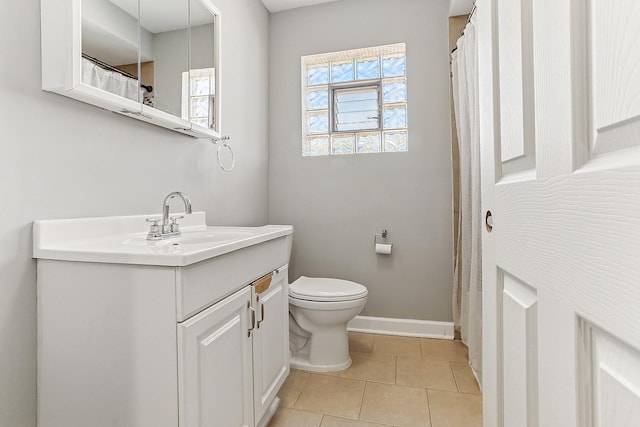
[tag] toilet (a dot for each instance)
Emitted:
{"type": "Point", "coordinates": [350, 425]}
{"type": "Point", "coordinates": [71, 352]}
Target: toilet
{"type": "Point", "coordinates": [319, 310]}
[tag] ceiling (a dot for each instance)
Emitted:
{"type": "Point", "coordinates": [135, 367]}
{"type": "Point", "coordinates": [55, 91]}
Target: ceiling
{"type": "Point", "coordinates": [278, 5]}
{"type": "Point", "coordinates": [159, 16]}
{"type": "Point", "coordinates": [456, 7]}
{"type": "Point", "coordinates": [460, 7]}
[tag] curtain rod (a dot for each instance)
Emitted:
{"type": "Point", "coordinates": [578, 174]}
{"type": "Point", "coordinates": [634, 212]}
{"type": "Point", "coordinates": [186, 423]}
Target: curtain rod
{"type": "Point", "coordinates": [112, 68]}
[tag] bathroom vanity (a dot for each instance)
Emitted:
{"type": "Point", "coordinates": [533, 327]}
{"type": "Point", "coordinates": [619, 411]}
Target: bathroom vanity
{"type": "Point", "coordinates": [189, 331]}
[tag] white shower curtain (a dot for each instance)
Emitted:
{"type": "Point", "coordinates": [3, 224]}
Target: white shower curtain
{"type": "Point", "coordinates": [467, 291]}
{"type": "Point", "coordinates": [110, 81]}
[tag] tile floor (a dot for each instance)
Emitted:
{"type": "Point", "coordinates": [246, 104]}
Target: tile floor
{"type": "Point", "coordinates": [392, 382]}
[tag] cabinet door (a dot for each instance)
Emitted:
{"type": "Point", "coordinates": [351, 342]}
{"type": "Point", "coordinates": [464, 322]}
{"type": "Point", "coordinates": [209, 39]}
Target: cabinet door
{"type": "Point", "coordinates": [271, 342]}
{"type": "Point", "coordinates": [215, 365]}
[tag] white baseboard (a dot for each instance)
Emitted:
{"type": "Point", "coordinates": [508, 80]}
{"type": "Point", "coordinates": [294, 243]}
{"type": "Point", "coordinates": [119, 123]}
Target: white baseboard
{"type": "Point", "coordinates": [402, 327]}
{"type": "Point", "coordinates": [477, 377]}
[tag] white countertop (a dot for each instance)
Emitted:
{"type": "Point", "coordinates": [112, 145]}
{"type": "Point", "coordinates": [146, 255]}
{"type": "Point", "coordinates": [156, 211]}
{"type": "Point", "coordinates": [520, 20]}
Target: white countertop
{"type": "Point", "coordinates": [122, 240]}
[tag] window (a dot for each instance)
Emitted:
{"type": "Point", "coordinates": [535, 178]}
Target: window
{"type": "Point", "coordinates": [355, 101]}
{"type": "Point", "coordinates": [198, 94]}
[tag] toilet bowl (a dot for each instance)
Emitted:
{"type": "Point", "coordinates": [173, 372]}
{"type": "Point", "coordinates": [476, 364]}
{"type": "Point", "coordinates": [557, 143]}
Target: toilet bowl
{"type": "Point", "coordinates": [319, 310]}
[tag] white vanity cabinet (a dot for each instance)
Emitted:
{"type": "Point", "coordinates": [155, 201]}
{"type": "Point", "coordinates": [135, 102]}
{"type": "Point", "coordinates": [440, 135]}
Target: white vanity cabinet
{"type": "Point", "coordinates": [187, 338]}
{"type": "Point", "coordinates": [234, 357]}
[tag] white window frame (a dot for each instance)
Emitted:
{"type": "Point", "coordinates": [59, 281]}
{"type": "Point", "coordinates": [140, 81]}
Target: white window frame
{"type": "Point", "coordinates": [334, 87]}
{"type": "Point", "coordinates": [355, 55]}
{"type": "Point", "coordinates": [186, 93]}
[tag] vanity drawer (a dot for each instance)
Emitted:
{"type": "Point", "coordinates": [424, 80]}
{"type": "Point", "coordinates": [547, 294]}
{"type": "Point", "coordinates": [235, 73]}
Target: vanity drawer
{"type": "Point", "coordinates": [201, 285]}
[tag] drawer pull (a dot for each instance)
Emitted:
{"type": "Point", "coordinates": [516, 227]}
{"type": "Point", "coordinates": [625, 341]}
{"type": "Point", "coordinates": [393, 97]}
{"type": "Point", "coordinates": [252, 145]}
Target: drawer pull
{"type": "Point", "coordinates": [253, 318]}
{"type": "Point", "coordinates": [261, 313]}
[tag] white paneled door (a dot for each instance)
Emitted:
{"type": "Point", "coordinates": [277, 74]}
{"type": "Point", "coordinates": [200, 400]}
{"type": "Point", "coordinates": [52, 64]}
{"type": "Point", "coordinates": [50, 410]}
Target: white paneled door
{"type": "Point", "coordinates": [560, 138]}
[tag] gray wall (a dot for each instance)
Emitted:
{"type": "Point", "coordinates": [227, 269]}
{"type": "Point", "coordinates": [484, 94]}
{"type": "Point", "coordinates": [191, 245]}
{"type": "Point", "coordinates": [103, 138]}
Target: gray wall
{"type": "Point", "coordinates": [171, 60]}
{"type": "Point", "coordinates": [338, 203]}
{"type": "Point", "coordinates": [62, 158]}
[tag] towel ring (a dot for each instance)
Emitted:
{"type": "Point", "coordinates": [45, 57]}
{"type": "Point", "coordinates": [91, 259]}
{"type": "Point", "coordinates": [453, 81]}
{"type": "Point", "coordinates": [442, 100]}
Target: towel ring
{"type": "Point", "coordinates": [225, 144]}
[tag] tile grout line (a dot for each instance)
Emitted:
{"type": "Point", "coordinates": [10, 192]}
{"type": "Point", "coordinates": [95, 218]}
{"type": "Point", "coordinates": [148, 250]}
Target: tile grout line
{"type": "Point", "coordinates": [429, 407]}
{"type": "Point", "coordinates": [301, 390]}
{"type": "Point", "coordinates": [364, 390]}
{"type": "Point", "coordinates": [455, 379]}
{"type": "Point", "coordinates": [395, 370]}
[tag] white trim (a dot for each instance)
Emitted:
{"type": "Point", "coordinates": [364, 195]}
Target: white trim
{"type": "Point", "coordinates": [271, 411]}
{"type": "Point", "coordinates": [402, 327]}
{"type": "Point", "coordinates": [477, 377]}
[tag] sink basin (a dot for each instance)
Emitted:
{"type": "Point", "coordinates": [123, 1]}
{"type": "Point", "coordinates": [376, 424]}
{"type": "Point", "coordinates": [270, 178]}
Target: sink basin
{"type": "Point", "coordinates": [123, 240]}
{"type": "Point", "coordinates": [192, 237]}
{"type": "Point", "coordinates": [212, 235]}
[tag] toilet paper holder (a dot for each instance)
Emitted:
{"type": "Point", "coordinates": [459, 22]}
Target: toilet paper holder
{"type": "Point", "coordinates": [381, 238]}
{"type": "Point", "coordinates": [380, 243]}
{"type": "Point", "coordinates": [382, 235]}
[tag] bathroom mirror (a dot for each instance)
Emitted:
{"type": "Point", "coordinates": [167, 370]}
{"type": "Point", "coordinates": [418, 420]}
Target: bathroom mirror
{"type": "Point", "coordinates": [154, 60]}
{"type": "Point", "coordinates": [164, 28]}
{"type": "Point", "coordinates": [200, 96]}
{"type": "Point", "coordinates": [110, 48]}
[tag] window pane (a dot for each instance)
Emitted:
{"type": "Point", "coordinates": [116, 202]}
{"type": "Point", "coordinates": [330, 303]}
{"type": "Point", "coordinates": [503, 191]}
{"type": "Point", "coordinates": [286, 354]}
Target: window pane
{"type": "Point", "coordinates": [356, 109]}
{"type": "Point", "coordinates": [355, 121]}
{"type": "Point", "coordinates": [200, 107]}
{"type": "Point", "coordinates": [357, 105]}
{"type": "Point", "coordinates": [395, 141]}
{"type": "Point", "coordinates": [343, 144]}
{"type": "Point", "coordinates": [393, 66]}
{"type": "Point", "coordinates": [317, 146]}
{"type": "Point", "coordinates": [202, 122]}
{"type": "Point", "coordinates": [342, 71]}
{"type": "Point", "coordinates": [318, 99]}
{"type": "Point", "coordinates": [394, 91]}
{"type": "Point", "coordinates": [319, 75]}
{"type": "Point", "coordinates": [318, 122]}
{"type": "Point", "coordinates": [368, 68]}
{"type": "Point", "coordinates": [357, 94]}
{"type": "Point", "coordinates": [395, 117]}
{"type": "Point", "coordinates": [200, 86]}
{"type": "Point", "coordinates": [369, 143]}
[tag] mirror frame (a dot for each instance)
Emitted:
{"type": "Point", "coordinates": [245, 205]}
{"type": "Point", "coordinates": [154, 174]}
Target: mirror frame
{"type": "Point", "coordinates": [61, 44]}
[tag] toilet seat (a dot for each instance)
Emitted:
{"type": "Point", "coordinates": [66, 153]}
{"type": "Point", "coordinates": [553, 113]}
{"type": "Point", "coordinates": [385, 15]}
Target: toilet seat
{"type": "Point", "coordinates": [325, 289]}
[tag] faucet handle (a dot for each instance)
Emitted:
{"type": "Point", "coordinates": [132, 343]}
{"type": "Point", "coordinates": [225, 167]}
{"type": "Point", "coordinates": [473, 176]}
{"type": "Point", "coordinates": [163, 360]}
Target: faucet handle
{"type": "Point", "coordinates": [154, 230]}
{"type": "Point", "coordinates": [175, 227]}
{"type": "Point", "coordinates": [155, 227]}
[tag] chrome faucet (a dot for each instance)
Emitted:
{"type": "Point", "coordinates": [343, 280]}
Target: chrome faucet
{"type": "Point", "coordinates": [169, 226]}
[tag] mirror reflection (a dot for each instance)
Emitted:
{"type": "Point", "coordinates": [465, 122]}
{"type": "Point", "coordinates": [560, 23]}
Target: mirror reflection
{"type": "Point", "coordinates": [110, 48]}
{"type": "Point", "coordinates": [199, 97]}
{"type": "Point", "coordinates": [164, 50]}
{"type": "Point", "coordinates": [146, 58]}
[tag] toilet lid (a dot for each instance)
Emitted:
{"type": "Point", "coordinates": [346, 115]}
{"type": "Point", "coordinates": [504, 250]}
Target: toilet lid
{"type": "Point", "coordinates": [323, 289]}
